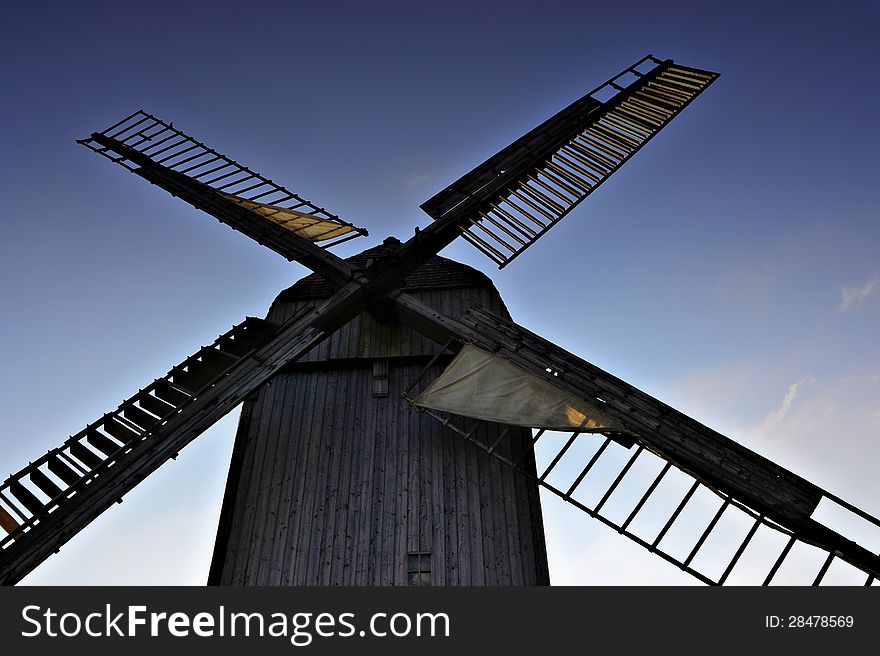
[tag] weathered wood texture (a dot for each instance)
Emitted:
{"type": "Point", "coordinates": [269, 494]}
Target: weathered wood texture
{"type": "Point", "coordinates": [331, 485]}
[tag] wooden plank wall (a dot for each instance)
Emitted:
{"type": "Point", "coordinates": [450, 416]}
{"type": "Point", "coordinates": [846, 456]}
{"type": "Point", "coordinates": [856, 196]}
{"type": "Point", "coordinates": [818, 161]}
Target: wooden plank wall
{"type": "Point", "coordinates": [330, 485]}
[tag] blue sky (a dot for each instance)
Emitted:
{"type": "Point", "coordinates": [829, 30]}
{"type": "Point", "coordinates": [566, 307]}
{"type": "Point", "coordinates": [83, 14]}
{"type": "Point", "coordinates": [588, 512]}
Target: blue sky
{"type": "Point", "coordinates": [729, 269]}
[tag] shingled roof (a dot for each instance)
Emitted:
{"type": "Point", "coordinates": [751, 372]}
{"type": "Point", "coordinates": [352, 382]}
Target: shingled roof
{"type": "Point", "coordinates": [437, 273]}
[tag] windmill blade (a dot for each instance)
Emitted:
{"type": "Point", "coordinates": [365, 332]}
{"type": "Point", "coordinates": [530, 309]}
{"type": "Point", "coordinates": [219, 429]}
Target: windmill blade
{"type": "Point", "coordinates": [46, 503]}
{"type": "Point", "coordinates": [771, 494]}
{"type": "Point", "coordinates": [647, 472]}
{"type": "Point", "coordinates": [509, 201]}
{"type": "Point", "coordinates": [53, 498]}
{"type": "Point", "coordinates": [230, 192]}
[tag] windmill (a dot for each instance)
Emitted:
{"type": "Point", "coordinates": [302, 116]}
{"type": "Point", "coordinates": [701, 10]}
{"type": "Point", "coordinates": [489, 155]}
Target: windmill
{"type": "Point", "coordinates": [392, 408]}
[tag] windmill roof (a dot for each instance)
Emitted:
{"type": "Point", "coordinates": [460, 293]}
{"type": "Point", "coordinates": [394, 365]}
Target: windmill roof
{"type": "Point", "coordinates": [436, 273]}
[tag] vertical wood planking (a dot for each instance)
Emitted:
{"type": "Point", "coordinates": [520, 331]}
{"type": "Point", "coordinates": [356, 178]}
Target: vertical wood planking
{"type": "Point", "coordinates": [332, 486]}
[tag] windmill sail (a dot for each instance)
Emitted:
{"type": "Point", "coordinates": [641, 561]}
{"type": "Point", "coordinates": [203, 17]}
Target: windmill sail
{"type": "Point", "coordinates": [233, 194]}
{"type": "Point", "coordinates": [657, 481]}
{"type": "Point", "coordinates": [44, 504]}
{"type": "Point", "coordinates": [509, 201]}
{"type": "Point", "coordinates": [481, 385]}
{"type": "Point", "coordinates": [771, 495]}
{"type": "Point", "coordinates": [305, 225]}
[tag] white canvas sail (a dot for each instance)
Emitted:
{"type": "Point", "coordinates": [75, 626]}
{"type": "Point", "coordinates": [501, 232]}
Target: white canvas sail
{"type": "Point", "coordinates": [482, 385]}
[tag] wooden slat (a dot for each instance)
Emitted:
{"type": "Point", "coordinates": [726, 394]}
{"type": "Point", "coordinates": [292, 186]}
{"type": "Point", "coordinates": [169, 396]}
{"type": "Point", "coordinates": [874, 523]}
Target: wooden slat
{"type": "Point", "coordinates": [139, 417]}
{"type": "Point", "coordinates": [639, 114]}
{"type": "Point", "coordinates": [571, 152]}
{"type": "Point", "coordinates": [246, 337]}
{"type": "Point", "coordinates": [597, 143]}
{"type": "Point", "coordinates": [154, 405]}
{"type": "Point", "coordinates": [163, 390]}
{"type": "Point", "coordinates": [691, 72]}
{"type": "Point", "coordinates": [659, 112]}
{"type": "Point", "coordinates": [605, 127]}
{"type": "Point", "coordinates": [122, 433]}
{"type": "Point", "coordinates": [591, 158]}
{"type": "Point", "coordinates": [638, 129]}
{"type": "Point", "coordinates": [103, 443]}
{"type": "Point", "coordinates": [46, 485]}
{"type": "Point", "coordinates": [217, 360]}
{"type": "Point", "coordinates": [63, 471]}
{"type": "Point", "coordinates": [681, 81]}
{"type": "Point", "coordinates": [84, 455]}
{"type": "Point", "coordinates": [677, 84]}
{"type": "Point", "coordinates": [653, 97]}
{"type": "Point", "coordinates": [657, 86]}
{"type": "Point", "coordinates": [27, 498]}
{"type": "Point", "coordinates": [619, 149]}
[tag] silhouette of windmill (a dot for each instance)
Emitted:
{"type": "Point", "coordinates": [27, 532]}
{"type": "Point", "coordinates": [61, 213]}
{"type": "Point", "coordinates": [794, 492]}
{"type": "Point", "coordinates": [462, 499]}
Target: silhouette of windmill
{"type": "Point", "coordinates": [391, 407]}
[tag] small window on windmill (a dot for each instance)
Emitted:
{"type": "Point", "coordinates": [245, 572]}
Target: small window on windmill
{"type": "Point", "coordinates": [418, 568]}
{"type": "Point", "coordinates": [380, 378]}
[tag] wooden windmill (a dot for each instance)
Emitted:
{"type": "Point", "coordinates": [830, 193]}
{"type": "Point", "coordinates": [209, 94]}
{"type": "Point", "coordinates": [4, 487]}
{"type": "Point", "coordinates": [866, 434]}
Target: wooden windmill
{"type": "Point", "coordinates": [391, 407]}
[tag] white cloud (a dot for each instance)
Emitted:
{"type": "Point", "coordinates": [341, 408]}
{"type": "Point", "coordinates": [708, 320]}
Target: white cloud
{"type": "Point", "coordinates": [417, 179]}
{"type": "Point", "coordinates": [864, 378]}
{"type": "Point", "coordinates": [727, 398]}
{"type": "Point", "coordinates": [776, 417]}
{"type": "Point", "coordinates": [827, 433]}
{"type": "Point", "coordinates": [853, 297]}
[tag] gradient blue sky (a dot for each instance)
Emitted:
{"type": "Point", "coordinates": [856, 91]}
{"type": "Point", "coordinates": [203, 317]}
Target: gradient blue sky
{"type": "Point", "coordinates": [730, 269]}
